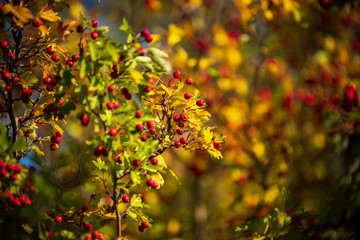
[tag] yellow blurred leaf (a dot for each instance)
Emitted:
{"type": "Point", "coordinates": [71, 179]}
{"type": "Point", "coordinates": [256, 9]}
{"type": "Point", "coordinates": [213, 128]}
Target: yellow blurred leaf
{"type": "Point", "coordinates": [175, 34]}
{"type": "Point", "coordinates": [37, 150]}
{"type": "Point", "coordinates": [22, 13]}
{"type": "Point", "coordinates": [48, 14]}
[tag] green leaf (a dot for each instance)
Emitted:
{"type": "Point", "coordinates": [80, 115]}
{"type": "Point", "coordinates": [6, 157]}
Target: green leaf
{"type": "Point", "coordinates": [101, 165]}
{"type": "Point", "coordinates": [158, 52]}
{"type": "Point", "coordinates": [67, 234]}
{"type": "Point", "coordinates": [106, 116]}
{"type": "Point", "coordinates": [287, 199]}
{"type": "Point", "coordinates": [20, 145]}
{"type": "Point", "coordinates": [135, 177]}
{"type": "Point", "coordinates": [132, 214]}
{"type": "Point", "coordinates": [67, 108]}
{"type": "Point", "coordinates": [135, 201]}
{"type": "Point", "coordinates": [125, 27]}
{"type": "Point", "coordinates": [4, 139]}
{"type": "Point", "coordinates": [82, 93]}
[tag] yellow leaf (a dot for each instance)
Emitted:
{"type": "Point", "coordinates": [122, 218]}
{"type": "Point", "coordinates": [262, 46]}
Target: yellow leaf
{"type": "Point", "coordinates": [44, 31]}
{"type": "Point", "coordinates": [214, 153]}
{"type": "Point", "coordinates": [37, 150]}
{"type": "Point", "coordinates": [207, 135]}
{"type": "Point", "coordinates": [175, 34]}
{"type": "Point", "coordinates": [167, 90]}
{"type": "Point", "coordinates": [73, 80]}
{"type": "Point", "coordinates": [63, 51]}
{"type": "Point", "coordinates": [22, 13]}
{"type": "Point", "coordinates": [192, 146]}
{"type": "Point", "coordinates": [161, 160]}
{"type": "Point", "coordinates": [49, 15]}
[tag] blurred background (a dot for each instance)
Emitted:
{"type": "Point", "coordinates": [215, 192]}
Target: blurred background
{"type": "Point", "coordinates": [276, 77]}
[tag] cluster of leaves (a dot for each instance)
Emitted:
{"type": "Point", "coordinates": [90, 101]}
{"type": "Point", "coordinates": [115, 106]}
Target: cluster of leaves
{"type": "Point", "coordinates": [113, 89]}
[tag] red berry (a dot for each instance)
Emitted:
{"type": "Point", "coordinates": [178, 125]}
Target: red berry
{"type": "Point", "coordinates": [37, 23]}
{"type": "Point", "coordinates": [87, 238]}
{"type": "Point", "coordinates": [111, 88]}
{"type": "Point", "coordinates": [116, 104]}
{"type": "Point", "coordinates": [55, 139]}
{"type": "Point", "coordinates": [115, 68]}
{"type": "Point", "coordinates": [183, 140]}
{"type": "Point", "coordinates": [128, 96]}
{"type": "Point", "coordinates": [75, 58]}
{"type": "Point", "coordinates": [187, 96]}
{"type": "Point", "coordinates": [154, 161]}
{"type": "Point", "coordinates": [95, 234]}
{"type": "Point", "coordinates": [143, 137]}
{"type": "Point", "coordinates": [139, 127]}
{"type": "Point", "coordinates": [101, 237]}
{"type": "Point", "coordinates": [49, 87]}
{"type": "Point", "coordinates": [6, 75]}
{"type": "Point", "coordinates": [179, 131]}
{"type": "Point", "coordinates": [142, 51]}
{"type": "Point", "coordinates": [4, 44]}
{"type": "Point", "coordinates": [61, 102]}
{"type": "Point", "coordinates": [148, 89]}
{"type": "Point", "coordinates": [53, 147]}
{"type": "Point", "coordinates": [144, 32]}
{"type": "Point", "coordinates": [152, 131]}
{"type": "Point", "coordinates": [149, 38]}
{"type": "Point", "coordinates": [94, 35]}
{"type": "Point", "coordinates": [145, 224]}
{"type": "Point", "coordinates": [149, 182]}
{"type": "Point", "coordinates": [10, 55]}
{"type": "Point", "coordinates": [95, 23]}
{"type": "Point", "coordinates": [8, 87]}
{"type": "Point", "coordinates": [98, 150]}
{"type": "Point", "coordinates": [151, 81]}
{"type": "Point", "coordinates": [58, 134]}
{"type": "Point", "coordinates": [10, 167]}
{"type": "Point", "coordinates": [84, 119]}
{"type": "Point", "coordinates": [113, 132]}
{"type": "Point", "coordinates": [141, 229]}
{"type": "Point", "coordinates": [217, 145]}
{"type": "Point", "coordinates": [136, 163]}
{"type": "Point", "coordinates": [18, 168]}
{"type": "Point", "coordinates": [55, 58]}
{"type": "Point", "coordinates": [118, 160]}
{"type": "Point", "coordinates": [189, 81]}
{"type": "Point", "coordinates": [181, 124]}
{"type": "Point", "coordinates": [125, 198]}
{"type": "Point", "coordinates": [50, 51]}
{"type": "Point", "coordinates": [70, 63]}
{"type": "Point", "coordinates": [177, 144]}
{"type": "Point", "coordinates": [47, 80]}
{"type": "Point", "coordinates": [87, 227]}
{"type": "Point", "coordinates": [177, 118]}
{"type": "Point", "coordinates": [114, 75]}
{"type": "Point", "coordinates": [124, 91]}
{"type": "Point", "coordinates": [200, 103]}
{"type": "Point", "coordinates": [154, 184]}
{"type": "Point", "coordinates": [150, 124]}
{"type": "Point", "coordinates": [183, 117]}
{"type": "Point", "coordinates": [58, 219]}
{"type": "Point", "coordinates": [138, 114]}
{"type": "Point", "coordinates": [110, 105]}
{"type": "Point", "coordinates": [176, 74]}
{"type": "Point", "coordinates": [79, 29]}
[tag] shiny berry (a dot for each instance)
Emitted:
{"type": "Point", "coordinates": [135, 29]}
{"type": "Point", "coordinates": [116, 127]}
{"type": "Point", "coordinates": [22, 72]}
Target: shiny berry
{"type": "Point", "coordinates": [187, 96]}
{"type": "Point", "coordinates": [136, 163]}
{"type": "Point", "coordinates": [139, 127]}
{"type": "Point", "coordinates": [217, 145]}
{"type": "Point", "coordinates": [4, 44]}
{"type": "Point", "coordinates": [152, 131]}
{"type": "Point", "coordinates": [144, 32]}
{"type": "Point", "coordinates": [75, 58]}
{"type": "Point", "coordinates": [183, 140]}
{"type": "Point", "coordinates": [179, 131]}
{"type": "Point", "coordinates": [154, 161]}
{"type": "Point", "coordinates": [177, 144]}
{"type": "Point", "coordinates": [138, 114]}
{"type": "Point", "coordinates": [125, 198]}
{"type": "Point", "coordinates": [200, 103]}
{"type": "Point", "coordinates": [110, 105]}
{"type": "Point", "coordinates": [149, 38]}
{"type": "Point", "coordinates": [58, 219]}
{"type": "Point", "coordinates": [94, 35]}
{"type": "Point", "coordinates": [10, 55]}
{"type": "Point", "coordinates": [50, 51]}
{"type": "Point", "coordinates": [95, 23]}
{"type": "Point", "coordinates": [55, 58]}
{"type": "Point", "coordinates": [183, 117]}
{"type": "Point", "coordinates": [143, 137]}
{"type": "Point", "coordinates": [176, 74]}
{"type": "Point", "coordinates": [177, 118]}
{"type": "Point", "coordinates": [189, 81]}
{"type": "Point", "coordinates": [53, 147]}
{"type": "Point", "coordinates": [47, 80]}
{"type": "Point", "coordinates": [37, 23]}
{"type": "Point", "coordinates": [113, 132]}
{"type": "Point", "coordinates": [111, 88]}
{"type": "Point", "coordinates": [150, 124]}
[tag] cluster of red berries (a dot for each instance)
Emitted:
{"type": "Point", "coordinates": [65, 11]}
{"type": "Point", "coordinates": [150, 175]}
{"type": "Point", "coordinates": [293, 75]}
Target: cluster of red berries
{"type": "Point", "coordinates": [87, 227]}
{"type": "Point", "coordinates": [152, 183]}
{"type": "Point", "coordinates": [146, 34]}
{"type": "Point", "coordinates": [25, 95]}
{"type": "Point", "coordinates": [182, 141]}
{"type": "Point", "coordinates": [94, 35]}
{"type": "Point", "coordinates": [56, 139]}
{"type": "Point", "coordinates": [143, 226]}
{"type": "Point", "coordinates": [125, 92]}
{"type": "Point", "coordinates": [112, 105]}
{"type": "Point", "coordinates": [118, 160]}
{"type": "Point", "coordinates": [51, 82]}
{"type": "Point", "coordinates": [53, 108]}
{"type": "Point", "coordinates": [100, 150]}
{"type": "Point", "coordinates": [10, 168]}
{"type": "Point", "coordinates": [9, 55]}
{"type": "Point", "coordinates": [180, 119]}
{"type": "Point", "coordinates": [114, 73]}
{"type": "Point", "coordinates": [16, 202]}
{"type": "Point", "coordinates": [149, 88]}
{"type": "Point", "coordinates": [95, 235]}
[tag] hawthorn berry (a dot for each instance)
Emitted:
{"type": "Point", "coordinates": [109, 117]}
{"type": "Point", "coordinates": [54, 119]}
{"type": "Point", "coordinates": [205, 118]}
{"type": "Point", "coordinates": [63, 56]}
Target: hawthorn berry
{"type": "Point", "coordinates": [118, 160]}
{"type": "Point", "coordinates": [98, 150]}
{"type": "Point", "coordinates": [10, 55]}
{"type": "Point", "coordinates": [181, 124]}
{"type": "Point", "coordinates": [143, 137]}
{"type": "Point", "coordinates": [7, 87]}
{"type": "Point", "coordinates": [94, 35]}
{"type": "Point", "coordinates": [152, 131]}
{"type": "Point", "coordinates": [154, 184]}
{"type": "Point", "coordinates": [6, 75]}
{"type": "Point", "coordinates": [176, 74]}
{"type": "Point", "coordinates": [4, 44]}
{"type": "Point", "coordinates": [179, 131]}
{"type": "Point", "coordinates": [84, 119]}
{"type": "Point", "coordinates": [141, 229]}
{"type": "Point", "coordinates": [70, 63]}
{"type": "Point", "coordinates": [150, 124]}
{"type": "Point", "coordinates": [75, 58]}
{"type": "Point", "coordinates": [177, 144]}
{"type": "Point", "coordinates": [49, 87]}
{"type": "Point", "coordinates": [125, 198]}
{"type": "Point", "coordinates": [154, 161]}
{"type": "Point", "coordinates": [149, 38]}
{"type": "Point", "coordinates": [142, 51]}
{"type": "Point", "coordinates": [187, 96]}
{"type": "Point", "coordinates": [115, 68]}
{"type": "Point", "coordinates": [149, 182]}
{"type": "Point", "coordinates": [111, 88]}
{"type": "Point", "coordinates": [61, 102]}
{"type": "Point", "coordinates": [95, 23]}
{"type": "Point", "coordinates": [10, 167]}
{"type": "Point", "coordinates": [53, 147]}
{"type": "Point", "coordinates": [110, 105]}
{"type": "Point", "coordinates": [55, 58]}
{"type": "Point", "coordinates": [183, 140]}
{"type": "Point", "coordinates": [101, 237]}
{"type": "Point", "coordinates": [177, 118]}
{"type": "Point", "coordinates": [148, 89]}
{"type": "Point", "coordinates": [87, 238]}
{"type": "Point", "coordinates": [144, 32]}
{"type": "Point", "coordinates": [151, 81]}
{"type": "Point", "coordinates": [37, 23]}
{"type": "Point", "coordinates": [116, 104]}
{"type": "Point", "coordinates": [50, 51]}
{"type": "Point", "coordinates": [113, 132]}
{"type": "Point", "coordinates": [47, 80]}
{"type": "Point", "coordinates": [14, 80]}
{"type": "Point", "coordinates": [145, 224]}
{"type": "Point", "coordinates": [189, 81]}
{"type": "Point", "coordinates": [124, 91]}
{"type": "Point", "coordinates": [200, 103]}
{"type": "Point", "coordinates": [138, 114]}
{"type": "Point", "coordinates": [18, 169]}
{"type": "Point", "coordinates": [58, 219]}
{"type": "Point", "coordinates": [95, 234]}
{"type": "Point", "coordinates": [79, 29]}
{"type": "Point", "coordinates": [139, 127]}
{"type": "Point", "coordinates": [217, 145]}
{"type": "Point", "coordinates": [136, 163]}
{"type": "Point", "coordinates": [114, 75]}
{"type": "Point", "coordinates": [55, 139]}
{"type": "Point", "coordinates": [128, 96]}
{"type": "Point", "coordinates": [58, 134]}
{"type": "Point", "coordinates": [87, 227]}
{"type": "Point", "coordinates": [183, 117]}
